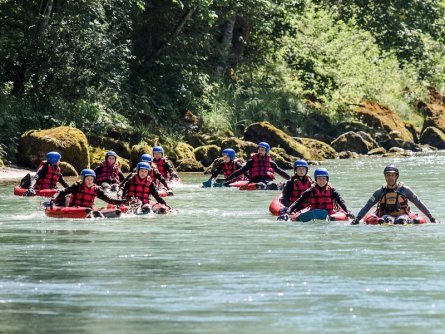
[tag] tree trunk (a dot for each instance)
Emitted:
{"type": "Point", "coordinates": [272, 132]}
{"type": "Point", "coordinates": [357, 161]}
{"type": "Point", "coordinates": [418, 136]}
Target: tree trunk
{"type": "Point", "coordinates": [226, 43]}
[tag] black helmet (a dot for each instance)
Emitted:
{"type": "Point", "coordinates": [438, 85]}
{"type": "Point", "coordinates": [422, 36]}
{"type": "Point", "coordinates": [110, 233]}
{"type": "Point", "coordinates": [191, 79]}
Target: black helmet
{"type": "Point", "coordinates": [391, 169]}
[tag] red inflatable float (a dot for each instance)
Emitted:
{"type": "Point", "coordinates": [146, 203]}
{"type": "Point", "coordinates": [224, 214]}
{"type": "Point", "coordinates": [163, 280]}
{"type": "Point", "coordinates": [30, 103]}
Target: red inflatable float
{"type": "Point", "coordinates": [373, 219]}
{"type": "Point", "coordinates": [275, 206]}
{"type": "Point", "coordinates": [43, 192]}
{"type": "Point", "coordinates": [81, 212]}
{"type": "Point", "coordinates": [155, 207]}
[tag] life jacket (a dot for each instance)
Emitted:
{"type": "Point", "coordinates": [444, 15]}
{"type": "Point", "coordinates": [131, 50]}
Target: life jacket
{"type": "Point", "coordinates": [299, 187]}
{"type": "Point", "coordinates": [84, 196]}
{"type": "Point", "coordinates": [392, 203]}
{"type": "Point", "coordinates": [139, 188]}
{"type": "Point", "coordinates": [229, 168]}
{"type": "Point", "coordinates": [49, 181]}
{"type": "Point", "coordinates": [261, 167]}
{"type": "Point", "coordinates": [160, 165]}
{"type": "Point", "coordinates": [321, 198]}
{"type": "Point", "coordinates": [108, 174]}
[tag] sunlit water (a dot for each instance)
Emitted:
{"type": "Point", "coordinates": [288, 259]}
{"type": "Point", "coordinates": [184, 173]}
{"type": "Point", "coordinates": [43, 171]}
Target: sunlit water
{"type": "Point", "coordinates": [224, 265]}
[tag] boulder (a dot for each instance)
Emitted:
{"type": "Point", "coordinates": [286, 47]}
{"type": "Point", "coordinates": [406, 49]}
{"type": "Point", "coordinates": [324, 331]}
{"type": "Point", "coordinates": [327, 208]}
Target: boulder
{"type": "Point", "coordinates": [109, 144]}
{"type": "Point", "coordinates": [189, 165]}
{"type": "Point", "coordinates": [281, 158]}
{"type": "Point", "coordinates": [207, 154]}
{"type": "Point", "coordinates": [97, 155]}
{"type": "Point", "coordinates": [377, 151]}
{"type": "Point", "coordinates": [318, 149]}
{"type": "Point", "coordinates": [434, 137]}
{"type": "Point", "coordinates": [348, 155]}
{"type": "Point", "coordinates": [71, 143]}
{"type": "Point", "coordinates": [67, 169]}
{"type": "Point", "coordinates": [378, 117]}
{"type": "Point", "coordinates": [434, 111]}
{"type": "Point", "coordinates": [184, 151]}
{"type": "Point", "coordinates": [353, 141]}
{"type": "Point", "coordinates": [137, 151]}
{"type": "Point", "coordinates": [264, 131]}
{"type": "Point", "coordinates": [124, 165]}
{"type": "Point", "coordinates": [195, 140]}
{"type": "Point", "coordinates": [210, 169]}
{"type": "Point", "coordinates": [242, 148]}
{"type": "Point", "coordinates": [2, 164]}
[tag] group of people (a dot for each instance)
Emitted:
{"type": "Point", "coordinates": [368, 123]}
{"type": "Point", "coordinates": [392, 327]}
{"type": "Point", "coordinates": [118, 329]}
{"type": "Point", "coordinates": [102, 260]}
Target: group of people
{"type": "Point", "coordinates": [143, 182]}
{"type": "Point", "coordinates": [299, 191]}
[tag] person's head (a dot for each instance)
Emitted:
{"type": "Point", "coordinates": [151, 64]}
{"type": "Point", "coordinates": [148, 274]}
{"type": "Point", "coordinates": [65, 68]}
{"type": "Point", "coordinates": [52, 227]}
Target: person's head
{"type": "Point", "coordinates": [391, 173]}
{"type": "Point", "coordinates": [301, 168]}
{"type": "Point", "coordinates": [53, 158]}
{"type": "Point", "coordinates": [110, 157]}
{"type": "Point", "coordinates": [228, 154]}
{"type": "Point", "coordinates": [158, 152]}
{"type": "Point", "coordinates": [321, 176]}
{"type": "Point", "coordinates": [146, 158]}
{"type": "Point", "coordinates": [263, 148]}
{"type": "Point", "coordinates": [142, 169]}
{"type": "Point", "coordinates": [88, 176]}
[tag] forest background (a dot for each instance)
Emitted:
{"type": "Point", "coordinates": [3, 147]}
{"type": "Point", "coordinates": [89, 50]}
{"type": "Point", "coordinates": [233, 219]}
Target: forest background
{"type": "Point", "coordinates": [169, 67]}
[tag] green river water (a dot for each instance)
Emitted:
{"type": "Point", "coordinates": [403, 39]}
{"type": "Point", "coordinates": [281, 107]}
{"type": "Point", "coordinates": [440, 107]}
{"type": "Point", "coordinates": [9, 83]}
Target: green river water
{"type": "Point", "coordinates": [223, 264]}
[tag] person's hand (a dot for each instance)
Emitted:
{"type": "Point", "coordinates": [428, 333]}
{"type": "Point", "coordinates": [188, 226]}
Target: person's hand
{"type": "Point", "coordinates": [434, 220]}
{"type": "Point", "coordinates": [169, 192]}
{"type": "Point", "coordinates": [350, 215]}
{"type": "Point", "coordinates": [226, 184]}
{"type": "Point", "coordinates": [30, 192]}
{"type": "Point", "coordinates": [355, 221]}
{"type": "Point", "coordinates": [283, 211]}
{"type": "Point", "coordinates": [283, 217]}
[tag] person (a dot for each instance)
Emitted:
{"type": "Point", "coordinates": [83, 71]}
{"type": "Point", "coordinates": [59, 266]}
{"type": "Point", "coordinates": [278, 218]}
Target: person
{"type": "Point", "coordinates": [142, 186]}
{"type": "Point", "coordinates": [84, 193]}
{"type": "Point", "coordinates": [154, 174]}
{"type": "Point", "coordinates": [163, 165]}
{"type": "Point", "coordinates": [392, 201]}
{"type": "Point", "coordinates": [261, 169]}
{"type": "Point", "coordinates": [296, 186]}
{"type": "Point", "coordinates": [108, 172]}
{"type": "Point", "coordinates": [320, 195]}
{"type": "Point", "coordinates": [47, 175]}
{"type": "Point", "coordinates": [229, 165]}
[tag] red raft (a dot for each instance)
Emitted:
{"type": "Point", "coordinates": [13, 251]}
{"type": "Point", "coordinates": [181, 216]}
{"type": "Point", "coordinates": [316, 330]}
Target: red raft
{"type": "Point", "coordinates": [43, 192]}
{"type": "Point", "coordinates": [275, 206]}
{"type": "Point", "coordinates": [81, 212]}
{"type": "Point", "coordinates": [373, 219]}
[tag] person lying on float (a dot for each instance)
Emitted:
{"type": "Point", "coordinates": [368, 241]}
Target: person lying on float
{"type": "Point", "coordinates": [320, 195]}
{"type": "Point", "coordinates": [47, 175]}
{"type": "Point", "coordinates": [392, 201]}
{"type": "Point", "coordinates": [109, 175]}
{"type": "Point", "coordinates": [261, 169]}
{"type": "Point", "coordinates": [164, 165]}
{"type": "Point", "coordinates": [83, 193]}
{"type": "Point", "coordinates": [141, 186]}
{"type": "Point", "coordinates": [228, 166]}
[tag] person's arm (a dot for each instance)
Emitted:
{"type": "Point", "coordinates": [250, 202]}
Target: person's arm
{"type": "Point", "coordinates": [155, 194]}
{"type": "Point", "coordinates": [303, 198]}
{"type": "Point", "coordinates": [218, 170]}
{"type": "Point", "coordinates": [161, 179]}
{"type": "Point", "coordinates": [371, 202]}
{"type": "Point", "coordinates": [104, 197]}
{"type": "Point", "coordinates": [60, 198]}
{"type": "Point", "coordinates": [125, 181]}
{"type": "Point", "coordinates": [62, 181]}
{"type": "Point", "coordinates": [240, 171]}
{"type": "Point", "coordinates": [121, 176]}
{"type": "Point", "coordinates": [287, 191]}
{"type": "Point", "coordinates": [280, 171]}
{"type": "Point", "coordinates": [340, 201]}
{"type": "Point", "coordinates": [410, 195]}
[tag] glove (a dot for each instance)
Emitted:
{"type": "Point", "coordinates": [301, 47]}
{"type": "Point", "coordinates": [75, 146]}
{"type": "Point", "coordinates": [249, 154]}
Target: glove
{"type": "Point", "coordinates": [226, 184]}
{"type": "Point", "coordinates": [434, 220]}
{"type": "Point", "coordinates": [283, 211]}
{"type": "Point", "coordinates": [283, 217]}
{"type": "Point", "coordinates": [169, 192]}
{"type": "Point", "coordinates": [350, 215]}
{"type": "Point", "coordinates": [355, 221]}
{"type": "Point", "coordinates": [30, 192]}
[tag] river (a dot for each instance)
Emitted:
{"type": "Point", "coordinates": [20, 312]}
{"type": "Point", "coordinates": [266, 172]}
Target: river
{"type": "Point", "coordinates": [223, 264]}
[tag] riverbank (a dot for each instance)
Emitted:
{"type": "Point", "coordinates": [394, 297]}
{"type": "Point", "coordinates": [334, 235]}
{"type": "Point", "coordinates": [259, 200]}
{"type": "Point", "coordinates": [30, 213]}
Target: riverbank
{"type": "Point", "coordinates": [12, 173]}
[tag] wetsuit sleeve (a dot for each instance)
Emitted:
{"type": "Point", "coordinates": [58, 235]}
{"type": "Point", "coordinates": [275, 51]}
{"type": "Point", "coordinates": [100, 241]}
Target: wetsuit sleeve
{"type": "Point", "coordinates": [155, 194]}
{"type": "Point", "coordinates": [280, 171]}
{"type": "Point", "coordinates": [40, 174]}
{"type": "Point", "coordinates": [62, 181]}
{"type": "Point", "coordinates": [125, 181]}
{"type": "Point", "coordinates": [68, 190]}
{"type": "Point", "coordinates": [238, 172]}
{"type": "Point", "coordinates": [218, 170]}
{"type": "Point", "coordinates": [121, 176]}
{"type": "Point", "coordinates": [303, 198]}
{"type": "Point", "coordinates": [125, 189]}
{"type": "Point", "coordinates": [161, 179]}
{"type": "Point", "coordinates": [98, 170]}
{"type": "Point", "coordinates": [337, 197]}
{"type": "Point", "coordinates": [104, 197]}
{"type": "Point", "coordinates": [287, 191]}
{"type": "Point", "coordinates": [410, 195]}
{"type": "Point", "coordinates": [371, 202]}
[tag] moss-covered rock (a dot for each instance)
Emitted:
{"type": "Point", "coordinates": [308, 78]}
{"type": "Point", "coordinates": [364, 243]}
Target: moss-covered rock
{"type": "Point", "coordinates": [434, 137]}
{"type": "Point", "coordinates": [137, 151]}
{"type": "Point", "coordinates": [354, 142]}
{"type": "Point", "coordinates": [377, 151]}
{"type": "Point", "coordinates": [109, 144]}
{"type": "Point", "coordinates": [71, 143]}
{"type": "Point", "coordinates": [2, 164]}
{"type": "Point", "coordinates": [210, 169]}
{"type": "Point", "coordinates": [242, 148]}
{"type": "Point", "coordinates": [319, 150]}
{"type": "Point", "coordinates": [67, 169]}
{"type": "Point", "coordinates": [348, 155]}
{"type": "Point", "coordinates": [97, 155]}
{"type": "Point", "coordinates": [195, 140]}
{"type": "Point", "coordinates": [184, 151]}
{"type": "Point", "coordinates": [281, 158]}
{"type": "Point", "coordinates": [264, 131]}
{"type": "Point", "coordinates": [189, 165]}
{"type": "Point", "coordinates": [124, 165]}
{"type": "Point", "coordinates": [207, 154]}
{"type": "Point", "coordinates": [434, 111]}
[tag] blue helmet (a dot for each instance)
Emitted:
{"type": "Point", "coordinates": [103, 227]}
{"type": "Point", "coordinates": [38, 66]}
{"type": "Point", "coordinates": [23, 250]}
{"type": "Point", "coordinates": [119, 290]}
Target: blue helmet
{"type": "Point", "coordinates": [146, 158]}
{"type": "Point", "coordinates": [321, 172]}
{"type": "Point", "coordinates": [143, 165]}
{"type": "Point", "coordinates": [301, 163]}
{"type": "Point", "coordinates": [53, 157]}
{"type": "Point", "coordinates": [158, 149]}
{"type": "Point", "coordinates": [110, 154]}
{"type": "Point", "coordinates": [264, 145]}
{"type": "Point", "coordinates": [230, 152]}
{"type": "Point", "coordinates": [87, 172]}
